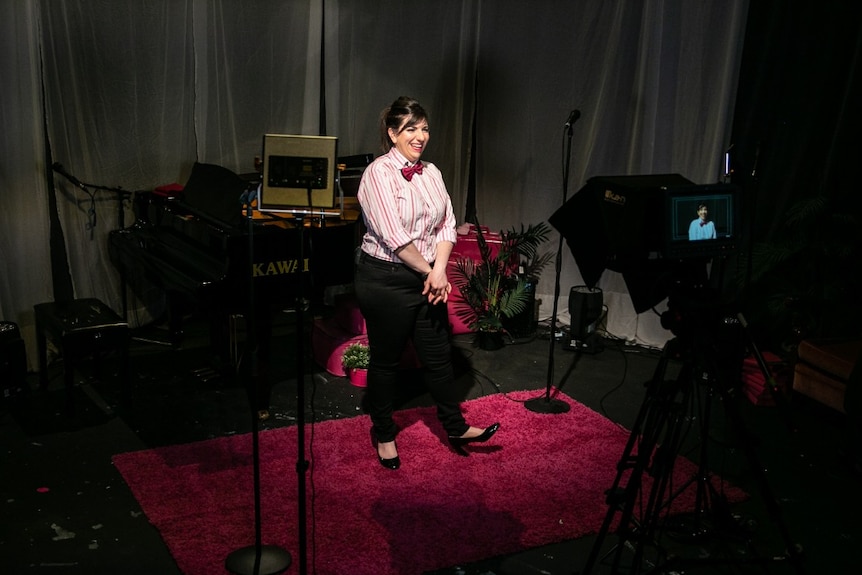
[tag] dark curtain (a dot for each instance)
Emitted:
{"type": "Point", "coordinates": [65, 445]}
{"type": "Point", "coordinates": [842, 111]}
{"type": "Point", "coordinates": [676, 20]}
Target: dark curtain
{"type": "Point", "coordinates": [795, 153]}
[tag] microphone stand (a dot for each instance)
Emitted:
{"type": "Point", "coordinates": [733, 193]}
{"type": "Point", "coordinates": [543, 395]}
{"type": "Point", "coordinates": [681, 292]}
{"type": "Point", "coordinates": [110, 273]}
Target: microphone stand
{"type": "Point", "coordinates": [87, 188]}
{"type": "Point", "coordinates": [257, 559]}
{"type": "Point", "coordinates": [547, 404]}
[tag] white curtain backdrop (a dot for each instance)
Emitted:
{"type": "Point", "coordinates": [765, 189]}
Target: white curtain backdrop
{"type": "Point", "coordinates": [130, 93]}
{"type": "Point", "coordinates": [24, 251]}
{"type": "Point", "coordinates": [654, 81]}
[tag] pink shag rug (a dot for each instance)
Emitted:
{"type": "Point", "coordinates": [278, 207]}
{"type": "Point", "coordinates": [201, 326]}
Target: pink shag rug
{"type": "Point", "coordinates": [540, 480]}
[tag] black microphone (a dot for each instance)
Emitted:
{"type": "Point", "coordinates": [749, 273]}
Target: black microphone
{"type": "Point", "coordinates": [58, 167]}
{"type": "Point", "coordinates": [573, 117]}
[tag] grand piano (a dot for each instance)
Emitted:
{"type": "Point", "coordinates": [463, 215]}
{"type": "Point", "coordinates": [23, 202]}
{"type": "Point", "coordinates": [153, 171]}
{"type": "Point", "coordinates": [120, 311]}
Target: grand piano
{"type": "Point", "coordinates": [200, 247]}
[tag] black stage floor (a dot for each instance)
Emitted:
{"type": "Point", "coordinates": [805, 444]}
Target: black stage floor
{"type": "Point", "coordinates": [67, 510]}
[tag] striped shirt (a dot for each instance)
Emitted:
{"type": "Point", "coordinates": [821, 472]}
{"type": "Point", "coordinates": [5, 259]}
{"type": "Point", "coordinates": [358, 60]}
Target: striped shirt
{"type": "Point", "coordinates": [397, 212]}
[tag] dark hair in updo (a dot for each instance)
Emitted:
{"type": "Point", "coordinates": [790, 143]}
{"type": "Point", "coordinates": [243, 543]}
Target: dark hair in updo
{"type": "Point", "coordinates": [393, 116]}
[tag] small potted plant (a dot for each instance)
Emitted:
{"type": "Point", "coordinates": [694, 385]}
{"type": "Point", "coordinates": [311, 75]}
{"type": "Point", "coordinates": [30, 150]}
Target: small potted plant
{"type": "Point", "coordinates": [355, 361]}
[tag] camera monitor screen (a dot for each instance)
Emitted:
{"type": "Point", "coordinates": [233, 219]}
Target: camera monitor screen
{"type": "Point", "coordinates": [300, 175]}
{"type": "Point", "coordinates": [701, 221]}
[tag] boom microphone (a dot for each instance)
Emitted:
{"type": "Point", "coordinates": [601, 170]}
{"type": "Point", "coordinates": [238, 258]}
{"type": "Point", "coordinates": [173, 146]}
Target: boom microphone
{"type": "Point", "coordinates": [58, 167]}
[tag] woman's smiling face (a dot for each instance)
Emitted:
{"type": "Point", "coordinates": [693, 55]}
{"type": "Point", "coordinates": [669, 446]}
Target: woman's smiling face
{"type": "Point", "coordinates": [411, 140]}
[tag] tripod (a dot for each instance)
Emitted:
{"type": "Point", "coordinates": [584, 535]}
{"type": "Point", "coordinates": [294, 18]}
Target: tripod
{"type": "Point", "coordinates": [652, 448]}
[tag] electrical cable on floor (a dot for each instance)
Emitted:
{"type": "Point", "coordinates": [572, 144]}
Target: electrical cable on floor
{"type": "Point", "coordinates": [617, 387]}
{"type": "Point", "coordinates": [480, 375]}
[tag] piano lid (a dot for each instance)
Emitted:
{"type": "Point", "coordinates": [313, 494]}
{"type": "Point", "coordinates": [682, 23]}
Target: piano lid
{"type": "Point", "coordinates": [215, 191]}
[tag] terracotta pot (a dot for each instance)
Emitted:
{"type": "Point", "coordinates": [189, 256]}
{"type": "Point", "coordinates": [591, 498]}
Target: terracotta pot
{"type": "Point", "coordinates": [357, 376]}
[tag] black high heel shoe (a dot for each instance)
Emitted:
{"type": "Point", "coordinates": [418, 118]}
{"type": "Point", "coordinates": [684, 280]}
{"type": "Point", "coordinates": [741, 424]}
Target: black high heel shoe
{"type": "Point", "coordinates": [458, 443]}
{"type": "Point", "coordinates": [391, 463]}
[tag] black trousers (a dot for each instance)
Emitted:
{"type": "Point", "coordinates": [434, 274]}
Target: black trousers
{"type": "Point", "coordinates": [395, 311]}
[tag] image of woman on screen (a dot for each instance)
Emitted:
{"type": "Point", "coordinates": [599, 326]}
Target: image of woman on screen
{"type": "Point", "coordinates": [701, 228]}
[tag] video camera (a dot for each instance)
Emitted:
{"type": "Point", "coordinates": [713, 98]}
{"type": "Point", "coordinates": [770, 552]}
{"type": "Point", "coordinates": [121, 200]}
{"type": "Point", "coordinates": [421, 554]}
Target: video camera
{"type": "Point", "coordinates": [639, 226]}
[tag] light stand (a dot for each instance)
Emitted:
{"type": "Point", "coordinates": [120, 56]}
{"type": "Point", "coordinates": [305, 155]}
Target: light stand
{"type": "Point", "coordinates": [293, 168]}
{"type": "Point", "coordinates": [547, 404]}
{"type": "Point", "coordinates": [301, 462]}
{"type": "Point", "coordinates": [257, 559]}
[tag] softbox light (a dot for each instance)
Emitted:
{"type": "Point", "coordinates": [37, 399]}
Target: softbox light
{"type": "Point", "coordinates": [614, 222]}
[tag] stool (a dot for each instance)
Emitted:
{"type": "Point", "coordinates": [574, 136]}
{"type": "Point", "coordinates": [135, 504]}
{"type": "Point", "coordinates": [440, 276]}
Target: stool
{"type": "Point", "coordinates": [80, 328]}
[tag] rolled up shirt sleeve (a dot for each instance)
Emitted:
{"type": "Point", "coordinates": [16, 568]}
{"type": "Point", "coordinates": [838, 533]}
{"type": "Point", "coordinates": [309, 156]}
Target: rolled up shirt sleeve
{"type": "Point", "coordinates": [378, 195]}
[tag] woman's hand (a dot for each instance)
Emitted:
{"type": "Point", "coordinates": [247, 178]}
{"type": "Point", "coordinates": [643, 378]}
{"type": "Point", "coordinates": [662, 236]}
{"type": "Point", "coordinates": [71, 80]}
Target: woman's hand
{"type": "Point", "coordinates": [437, 287]}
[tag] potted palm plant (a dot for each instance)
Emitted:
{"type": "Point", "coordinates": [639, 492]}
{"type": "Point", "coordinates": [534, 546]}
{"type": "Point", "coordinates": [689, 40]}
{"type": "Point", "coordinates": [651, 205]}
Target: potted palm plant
{"type": "Point", "coordinates": [355, 360]}
{"type": "Point", "coordinates": [501, 284]}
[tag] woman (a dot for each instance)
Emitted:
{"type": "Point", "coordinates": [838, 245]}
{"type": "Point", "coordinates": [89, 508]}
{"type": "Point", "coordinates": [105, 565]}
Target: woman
{"type": "Point", "coordinates": [401, 279]}
{"type": "Point", "coordinates": [701, 228]}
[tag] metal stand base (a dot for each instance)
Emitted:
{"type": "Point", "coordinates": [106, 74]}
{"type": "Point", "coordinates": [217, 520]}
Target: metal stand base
{"type": "Point", "coordinates": [246, 561]}
{"type": "Point", "coordinates": [547, 405]}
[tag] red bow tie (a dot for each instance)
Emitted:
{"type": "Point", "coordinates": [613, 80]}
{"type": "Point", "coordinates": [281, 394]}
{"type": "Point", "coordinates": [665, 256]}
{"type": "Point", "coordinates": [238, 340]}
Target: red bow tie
{"type": "Point", "coordinates": [702, 224]}
{"type": "Point", "coordinates": [408, 171]}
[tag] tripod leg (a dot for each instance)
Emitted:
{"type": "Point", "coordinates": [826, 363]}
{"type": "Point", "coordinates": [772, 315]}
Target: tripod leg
{"type": "Point", "coordinates": [708, 499]}
{"type": "Point", "coordinates": [617, 495]}
{"type": "Point", "coordinates": [793, 550]}
{"type": "Point", "coordinates": [668, 440]}
{"type": "Point", "coordinates": [701, 374]}
{"type": "Point", "coordinates": [774, 389]}
{"type": "Point", "coordinates": [650, 426]}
